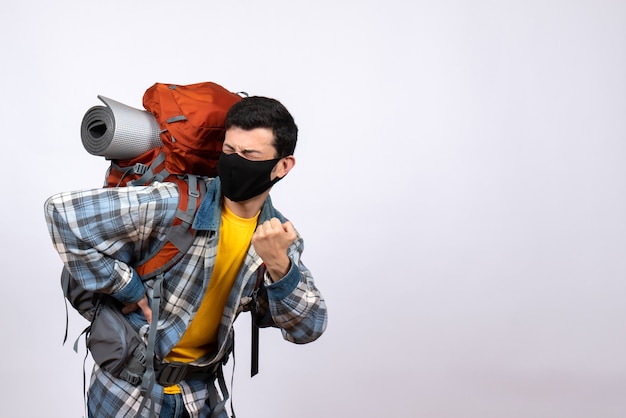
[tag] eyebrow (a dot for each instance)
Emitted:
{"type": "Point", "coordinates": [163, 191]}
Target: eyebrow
{"type": "Point", "coordinates": [244, 151]}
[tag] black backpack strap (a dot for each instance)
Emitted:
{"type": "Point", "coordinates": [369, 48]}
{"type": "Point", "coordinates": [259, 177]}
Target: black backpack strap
{"type": "Point", "coordinates": [254, 349]}
{"type": "Point", "coordinates": [65, 285]}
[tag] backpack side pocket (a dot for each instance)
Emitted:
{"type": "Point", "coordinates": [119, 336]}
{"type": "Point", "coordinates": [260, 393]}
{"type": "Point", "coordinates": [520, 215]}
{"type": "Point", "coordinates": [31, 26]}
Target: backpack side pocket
{"type": "Point", "coordinates": [113, 342]}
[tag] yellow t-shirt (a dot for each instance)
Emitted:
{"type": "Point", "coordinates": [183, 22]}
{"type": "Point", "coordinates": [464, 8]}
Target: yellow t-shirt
{"type": "Point", "coordinates": [232, 247]}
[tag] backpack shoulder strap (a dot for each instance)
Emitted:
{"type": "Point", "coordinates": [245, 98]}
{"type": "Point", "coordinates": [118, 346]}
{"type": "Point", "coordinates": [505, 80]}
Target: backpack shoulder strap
{"type": "Point", "coordinates": [178, 241]}
{"type": "Point", "coordinates": [180, 236]}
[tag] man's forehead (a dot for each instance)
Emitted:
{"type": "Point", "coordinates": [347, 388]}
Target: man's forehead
{"type": "Point", "coordinates": [254, 138]}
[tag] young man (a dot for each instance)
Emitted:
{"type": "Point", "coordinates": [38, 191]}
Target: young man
{"type": "Point", "coordinates": [239, 237]}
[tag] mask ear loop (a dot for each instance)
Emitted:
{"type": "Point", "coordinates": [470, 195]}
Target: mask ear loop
{"type": "Point", "coordinates": [278, 178]}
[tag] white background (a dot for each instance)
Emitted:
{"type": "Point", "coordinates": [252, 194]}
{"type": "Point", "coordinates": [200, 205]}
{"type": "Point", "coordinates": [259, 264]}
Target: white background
{"type": "Point", "coordinates": [460, 185]}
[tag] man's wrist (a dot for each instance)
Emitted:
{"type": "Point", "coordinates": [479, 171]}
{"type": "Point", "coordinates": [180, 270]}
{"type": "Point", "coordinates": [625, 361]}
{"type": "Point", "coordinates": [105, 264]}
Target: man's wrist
{"type": "Point", "coordinates": [274, 273]}
{"type": "Point", "coordinates": [133, 291]}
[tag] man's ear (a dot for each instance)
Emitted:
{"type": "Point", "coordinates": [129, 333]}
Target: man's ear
{"type": "Point", "coordinates": [284, 166]}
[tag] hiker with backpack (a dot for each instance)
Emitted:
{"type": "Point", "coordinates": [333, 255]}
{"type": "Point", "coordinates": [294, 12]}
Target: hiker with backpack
{"type": "Point", "coordinates": [244, 256]}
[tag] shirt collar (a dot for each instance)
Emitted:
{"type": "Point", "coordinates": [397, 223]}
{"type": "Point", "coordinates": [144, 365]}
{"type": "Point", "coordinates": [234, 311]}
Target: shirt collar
{"type": "Point", "coordinates": [210, 210]}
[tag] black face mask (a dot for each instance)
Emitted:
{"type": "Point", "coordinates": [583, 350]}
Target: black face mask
{"type": "Point", "coordinates": [243, 179]}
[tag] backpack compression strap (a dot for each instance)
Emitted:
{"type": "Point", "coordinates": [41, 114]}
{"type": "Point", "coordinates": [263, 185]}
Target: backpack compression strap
{"type": "Point", "coordinates": [146, 173]}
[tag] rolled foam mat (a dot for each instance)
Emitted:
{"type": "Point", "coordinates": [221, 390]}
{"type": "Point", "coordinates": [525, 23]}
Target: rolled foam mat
{"type": "Point", "coordinates": [118, 132]}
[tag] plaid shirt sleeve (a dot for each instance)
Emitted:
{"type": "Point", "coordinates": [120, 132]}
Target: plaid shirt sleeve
{"type": "Point", "coordinates": [97, 232]}
{"type": "Point", "coordinates": [294, 303]}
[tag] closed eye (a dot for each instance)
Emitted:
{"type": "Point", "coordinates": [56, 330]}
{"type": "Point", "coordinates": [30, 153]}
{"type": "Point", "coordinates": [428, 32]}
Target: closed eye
{"type": "Point", "coordinates": [250, 154]}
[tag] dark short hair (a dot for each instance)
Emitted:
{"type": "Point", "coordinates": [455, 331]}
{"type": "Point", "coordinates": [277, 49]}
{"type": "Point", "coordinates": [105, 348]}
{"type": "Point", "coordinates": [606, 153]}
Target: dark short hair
{"type": "Point", "coordinates": [263, 112]}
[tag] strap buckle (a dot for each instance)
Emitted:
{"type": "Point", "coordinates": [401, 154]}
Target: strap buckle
{"type": "Point", "coordinates": [172, 373]}
{"type": "Point", "coordinates": [140, 168]}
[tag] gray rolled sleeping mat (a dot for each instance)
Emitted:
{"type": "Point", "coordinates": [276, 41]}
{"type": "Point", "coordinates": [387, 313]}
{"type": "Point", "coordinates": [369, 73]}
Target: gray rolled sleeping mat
{"type": "Point", "coordinates": [118, 132]}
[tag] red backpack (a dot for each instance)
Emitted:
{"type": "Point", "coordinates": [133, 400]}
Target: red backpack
{"type": "Point", "coordinates": [191, 129]}
{"type": "Point", "coordinates": [191, 121]}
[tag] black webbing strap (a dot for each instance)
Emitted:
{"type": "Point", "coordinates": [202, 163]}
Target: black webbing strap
{"type": "Point", "coordinates": [254, 349]}
{"type": "Point", "coordinates": [254, 360]}
{"type": "Point", "coordinates": [65, 285]}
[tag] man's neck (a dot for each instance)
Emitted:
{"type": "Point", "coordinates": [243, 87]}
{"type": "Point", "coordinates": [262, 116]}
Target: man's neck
{"type": "Point", "coordinates": [248, 208]}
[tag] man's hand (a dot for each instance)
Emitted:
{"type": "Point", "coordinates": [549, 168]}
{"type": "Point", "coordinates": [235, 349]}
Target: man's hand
{"type": "Point", "coordinates": [271, 241]}
{"type": "Point", "coordinates": [141, 303]}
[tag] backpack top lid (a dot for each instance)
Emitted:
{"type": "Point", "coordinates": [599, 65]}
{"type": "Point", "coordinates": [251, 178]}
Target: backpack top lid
{"type": "Point", "coordinates": [191, 118]}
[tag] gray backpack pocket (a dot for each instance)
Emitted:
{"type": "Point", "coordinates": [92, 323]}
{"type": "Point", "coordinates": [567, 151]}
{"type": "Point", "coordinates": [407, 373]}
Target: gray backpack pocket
{"type": "Point", "coordinates": [114, 344]}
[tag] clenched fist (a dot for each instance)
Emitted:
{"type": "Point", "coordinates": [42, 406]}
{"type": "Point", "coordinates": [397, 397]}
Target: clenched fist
{"type": "Point", "coordinates": [271, 241]}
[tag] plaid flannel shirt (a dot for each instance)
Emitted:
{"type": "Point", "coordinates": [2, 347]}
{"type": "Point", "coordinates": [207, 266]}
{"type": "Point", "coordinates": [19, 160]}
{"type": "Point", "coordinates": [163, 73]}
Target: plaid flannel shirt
{"type": "Point", "coordinates": [99, 232]}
